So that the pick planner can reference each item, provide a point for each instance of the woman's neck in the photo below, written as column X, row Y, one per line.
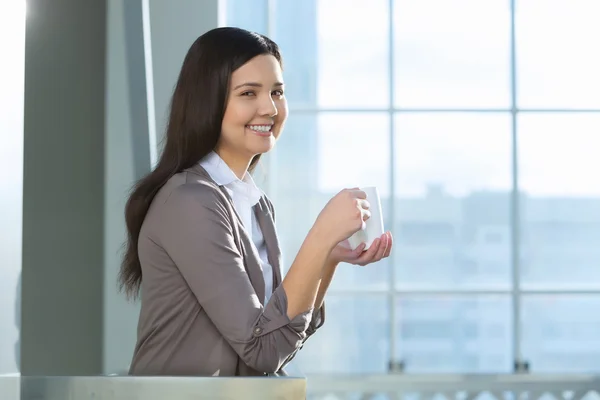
column 239, row 165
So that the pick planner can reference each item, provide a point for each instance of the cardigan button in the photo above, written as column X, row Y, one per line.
column 258, row 330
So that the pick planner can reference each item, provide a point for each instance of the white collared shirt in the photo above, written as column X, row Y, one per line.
column 245, row 195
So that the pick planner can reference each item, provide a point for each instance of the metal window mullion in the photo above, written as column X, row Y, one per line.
column 150, row 102
column 463, row 293
column 515, row 205
column 398, row 110
column 557, row 110
column 271, row 177
column 306, row 110
column 392, row 205
column 270, row 17
column 421, row 292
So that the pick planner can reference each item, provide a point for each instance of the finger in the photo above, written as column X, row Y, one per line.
column 359, row 194
column 364, row 204
column 366, row 214
column 349, row 255
column 388, row 250
column 382, row 248
column 368, row 255
column 358, row 251
column 345, row 244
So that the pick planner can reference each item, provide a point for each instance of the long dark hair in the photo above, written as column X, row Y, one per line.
column 194, row 127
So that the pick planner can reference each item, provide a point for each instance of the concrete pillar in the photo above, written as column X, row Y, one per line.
column 63, row 188
column 98, row 81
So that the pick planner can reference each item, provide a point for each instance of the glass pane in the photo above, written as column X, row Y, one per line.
column 250, row 15
column 452, row 54
column 316, row 157
column 12, row 77
column 560, row 206
column 295, row 31
column 335, row 51
column 560, row 333
column 438, row 334
column 452, row 202
column 557, row 65
column 355, row 338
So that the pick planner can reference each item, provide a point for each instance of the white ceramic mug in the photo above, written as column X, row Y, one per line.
column 374, row 225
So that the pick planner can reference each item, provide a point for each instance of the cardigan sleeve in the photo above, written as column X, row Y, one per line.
column 318, row 315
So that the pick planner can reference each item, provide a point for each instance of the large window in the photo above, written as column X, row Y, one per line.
column 479, row 121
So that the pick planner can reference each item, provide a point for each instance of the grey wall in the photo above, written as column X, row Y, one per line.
column 120, row 316
column 63, row 188
column 174, row 29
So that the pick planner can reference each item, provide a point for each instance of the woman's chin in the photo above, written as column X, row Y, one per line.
column 264, row 147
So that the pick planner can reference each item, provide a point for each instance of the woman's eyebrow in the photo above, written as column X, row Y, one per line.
column 256, row 84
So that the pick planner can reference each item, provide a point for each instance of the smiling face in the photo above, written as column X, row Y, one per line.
column 256, row 109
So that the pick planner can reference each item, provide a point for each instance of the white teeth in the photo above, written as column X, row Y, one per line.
column 260, row 128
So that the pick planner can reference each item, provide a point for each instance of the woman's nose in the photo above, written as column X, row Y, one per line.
column 268, row 107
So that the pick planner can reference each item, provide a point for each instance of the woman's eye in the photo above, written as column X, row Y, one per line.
column 277, row 92
column 250, row 93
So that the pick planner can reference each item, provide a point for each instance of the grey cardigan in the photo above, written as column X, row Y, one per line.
column 202, row 288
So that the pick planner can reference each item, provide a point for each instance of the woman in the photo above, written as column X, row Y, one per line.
column 202, row 236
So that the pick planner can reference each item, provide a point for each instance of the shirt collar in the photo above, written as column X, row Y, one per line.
column 220, row 172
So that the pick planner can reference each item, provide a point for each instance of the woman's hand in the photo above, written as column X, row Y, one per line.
column 380, row 249
column 344, row 215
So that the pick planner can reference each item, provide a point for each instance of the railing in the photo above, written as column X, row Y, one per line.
column 150, row 388
column 454, row 387
column 381, row 387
